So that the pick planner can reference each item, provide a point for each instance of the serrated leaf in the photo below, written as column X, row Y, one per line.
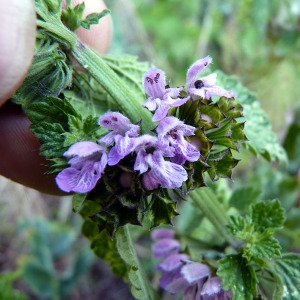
column 238, row 276
column 241, row 198
column 288, row 269
column 263, row 245
column 221, row 164
column 161, row 210
column 51, row 138
column 93, row 18
column 267, row 215
column 236, row 224
column 265, row 143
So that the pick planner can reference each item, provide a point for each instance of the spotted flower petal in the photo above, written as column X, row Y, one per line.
column 160, row 98
column 204, row 87
column 122, row 134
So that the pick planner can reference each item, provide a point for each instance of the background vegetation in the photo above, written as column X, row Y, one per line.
column 256, row 40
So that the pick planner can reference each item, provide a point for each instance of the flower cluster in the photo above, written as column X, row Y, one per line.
column 159, row 158
column 180, row 274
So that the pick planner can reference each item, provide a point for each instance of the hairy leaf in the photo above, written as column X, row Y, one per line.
column 288, row 269
column 241, row 198
column 262, row 140
column 263, row 245
column 238, row 276
column 267, row 215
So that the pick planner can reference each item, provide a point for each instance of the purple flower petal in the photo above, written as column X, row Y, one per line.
column 212, row 289
column 204, row 87
column 171, row 131
column 154, row 83
column 123, row 146
column 149, row 183
column 165, row 247
column 162, row 233
column 168, row 174
column 80, row 181
column 172, row 262
column 195, row 271
column 161, row 112
column 195, row 69
column 160, row 99
column 117, row 122
column 83, row 149
column 173, row 282
column 88, row 161
column 190, row 293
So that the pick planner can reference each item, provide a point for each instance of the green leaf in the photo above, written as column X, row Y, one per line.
column 241, row 198
column 50, row 73
column 239, row 276
column 267, row 215
column 140, row 285
column 265, row 143
column 236, row 224
column 86, row 129
column 77, row 201
column 51, row 138
column 288, row 269
column 221, row 164
column 262, row 245
column 106, row 248
column 93, row 18
column 162, row 210
column 73, row 17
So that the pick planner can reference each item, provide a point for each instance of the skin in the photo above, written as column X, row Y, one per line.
column 19, row 148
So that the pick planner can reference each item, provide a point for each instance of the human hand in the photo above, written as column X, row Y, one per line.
column 19, row 148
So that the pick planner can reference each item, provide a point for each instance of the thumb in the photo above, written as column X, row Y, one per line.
column 17, row 36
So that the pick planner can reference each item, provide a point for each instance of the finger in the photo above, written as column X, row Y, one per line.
column 19, row 152
column 17, row 36
column 98, row 36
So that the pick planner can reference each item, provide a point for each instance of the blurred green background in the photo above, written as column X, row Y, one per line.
column 256, row 40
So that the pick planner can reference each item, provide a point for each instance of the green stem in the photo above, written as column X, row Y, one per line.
column 102, row 73
column 94, row 65
column 207, row 202
column 140, row 285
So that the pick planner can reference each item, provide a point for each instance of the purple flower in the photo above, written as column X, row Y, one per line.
column 160, row 98
column 180, row 274
column 171, row 131
column 165, row 247
column 172, row 279
column 121, row 134
column 87, row 163
column 162, row 233
column 172, row 262
column 194, row 271
column 150, row 157
column 212, row 289
column 206, row 86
